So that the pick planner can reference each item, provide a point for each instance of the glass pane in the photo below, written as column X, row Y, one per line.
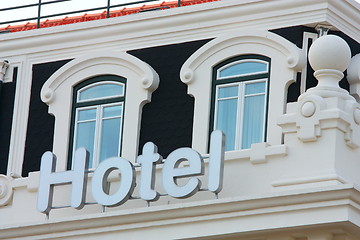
column 110, row 138
column 226, row 121
column 225, row 92
column 243, row 69
column 101, row 91
column 85, row 138
column 112, row 111
column 87, row 114
column 252, row 88
column 253, row 120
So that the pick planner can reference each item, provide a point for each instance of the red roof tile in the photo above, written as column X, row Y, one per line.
column 90, row 17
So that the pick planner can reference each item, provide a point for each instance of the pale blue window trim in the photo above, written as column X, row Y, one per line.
column 100, row 90
column 226, row 109
column 254, row 113
column 243, row 68
column 85, row 126
column 110, row 129
column 98, row 129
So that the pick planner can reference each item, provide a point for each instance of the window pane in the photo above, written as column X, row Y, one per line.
column 225, row 92
column 101, row 91
column 226, row 121
column 87, row 114
column 253, row 88
column 85, row 138
column 113, row 111
column 243, row 68
column 110, row 137
column 253, row 120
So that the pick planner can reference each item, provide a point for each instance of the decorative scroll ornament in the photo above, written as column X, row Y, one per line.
column 6, row 190
column 3, row 67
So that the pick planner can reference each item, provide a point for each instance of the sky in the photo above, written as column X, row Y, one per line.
column 60, row 7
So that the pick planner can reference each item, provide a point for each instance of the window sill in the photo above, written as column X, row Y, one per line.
column 258, row 153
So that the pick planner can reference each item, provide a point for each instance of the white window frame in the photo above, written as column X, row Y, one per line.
column 240, row 108
column 98, row 129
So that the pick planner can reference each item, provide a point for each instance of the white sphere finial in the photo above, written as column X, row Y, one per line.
column 329, row 56
column 329, row 52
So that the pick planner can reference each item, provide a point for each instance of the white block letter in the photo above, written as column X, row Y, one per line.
column 148, row 161
column 171, row 172
column 216, row 161
column 49, row 178
column 99, row 182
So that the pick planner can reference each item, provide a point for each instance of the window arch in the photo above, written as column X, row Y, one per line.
column 239, row 100
column 227, row 52
column 97, row 118
column 84, row 73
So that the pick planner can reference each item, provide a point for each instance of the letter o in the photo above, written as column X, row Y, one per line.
column 99, row 182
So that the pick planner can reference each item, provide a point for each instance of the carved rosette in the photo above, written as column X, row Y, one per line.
column 314, row 114
column 6, row 190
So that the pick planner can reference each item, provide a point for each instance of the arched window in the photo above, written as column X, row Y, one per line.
column 97, row 117
column 98, row 79
column 239, row 100
column 241, row 60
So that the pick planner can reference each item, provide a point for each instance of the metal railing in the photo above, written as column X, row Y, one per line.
column 39, row 17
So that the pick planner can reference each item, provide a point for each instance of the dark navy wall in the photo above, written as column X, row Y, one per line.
column 40, row 130
column 7, row 96
column 295, row 35
column 167, row 120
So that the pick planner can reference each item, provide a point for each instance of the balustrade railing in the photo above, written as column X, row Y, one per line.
column 39, row 5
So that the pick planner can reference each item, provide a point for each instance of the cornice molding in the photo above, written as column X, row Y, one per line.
column 177, row 25
column 342, row 199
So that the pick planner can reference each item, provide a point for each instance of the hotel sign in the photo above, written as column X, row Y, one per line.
column 171, row 172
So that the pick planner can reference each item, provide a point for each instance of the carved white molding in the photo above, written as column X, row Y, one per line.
column 142, row 80
column 83, row 66
column 325, row 106
column 196, row 72
column 326, row 113
column 20, row 116
column 4, row 64
column 6, row 190
column 258, row 153
column 322, row 128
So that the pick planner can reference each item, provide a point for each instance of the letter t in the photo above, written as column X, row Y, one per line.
column 148, row 161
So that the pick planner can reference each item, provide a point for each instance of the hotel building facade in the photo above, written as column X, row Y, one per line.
column 142, row 93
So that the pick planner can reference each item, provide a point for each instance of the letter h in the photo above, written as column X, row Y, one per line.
column 49, row 178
